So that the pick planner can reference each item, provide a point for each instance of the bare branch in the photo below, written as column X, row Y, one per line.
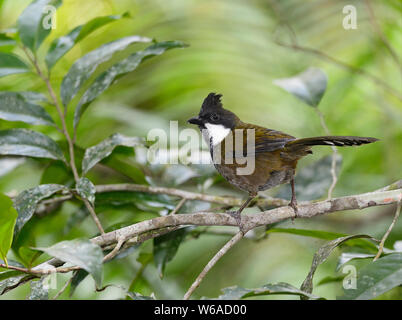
column 91, row 210
column 212, row 262
column 179, row 205
column 148, row 229
column 58, row 294
column 229, row 201
column 251, row 221
column 39, row 272
column 384, row 238
column 115, row 250
column 334, row 154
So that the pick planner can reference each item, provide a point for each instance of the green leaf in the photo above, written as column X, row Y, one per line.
column 377, row 278
column 14, row 107
column 100, row 151
column 82, row 253
column 331, row 279
column 11, row 64
column 126, row 166
column 126, row 197
column 57, row 172
column 165, row 248
column 76, row 218
column 309, row 86
column 322, row 254
column 11, row 281
column 349, row 256
column 32, row 96
column 25, row 203
column 8, row 217
column 8, row 274
column 144, row 258
column 31, row 23
column 28, row 256
column 24, row 142
column 10, row 263
column 86, row 190
column 6, row 43
column 84, row 67
column 107, row 78
column 312, row 181
column 138, row 296
column 62, row 45
column 236, row 293
column 149, row 203
column 78, row 277
column 326, row 235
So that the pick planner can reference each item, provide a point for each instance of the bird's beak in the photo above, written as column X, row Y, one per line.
column 196, row 121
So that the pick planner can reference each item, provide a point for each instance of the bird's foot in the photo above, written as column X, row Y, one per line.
column 293, row 205
column 237, row 216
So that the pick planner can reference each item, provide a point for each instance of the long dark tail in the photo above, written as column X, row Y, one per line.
column 339, row 141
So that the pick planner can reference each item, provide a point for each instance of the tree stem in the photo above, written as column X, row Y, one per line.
column 238, row 236
column 70, row 143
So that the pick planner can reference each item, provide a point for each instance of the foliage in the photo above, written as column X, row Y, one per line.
column 235, row 293
column 76, row 103
column 8, row 216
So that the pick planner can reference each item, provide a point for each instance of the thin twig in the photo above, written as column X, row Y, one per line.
column 212, row 262
column 39, row 272
column 344, row 65
column 115, row 251
column 56, row 199
column 179, row 205
column 58, row 294
column 24, row 270
column 384, row 238
column 382, row 36
column 91, row 210
column 295, row 46
column 334, row 154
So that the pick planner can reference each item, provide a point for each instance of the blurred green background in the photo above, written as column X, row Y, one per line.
column 233, row 50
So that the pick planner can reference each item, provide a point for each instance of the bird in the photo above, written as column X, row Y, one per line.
column 274, row 154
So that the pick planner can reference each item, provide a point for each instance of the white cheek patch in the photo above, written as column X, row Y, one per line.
column 217, row 132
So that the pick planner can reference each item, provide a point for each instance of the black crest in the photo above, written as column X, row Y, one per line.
column 211, row 102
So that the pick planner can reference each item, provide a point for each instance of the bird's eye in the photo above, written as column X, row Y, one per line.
column 214, row 117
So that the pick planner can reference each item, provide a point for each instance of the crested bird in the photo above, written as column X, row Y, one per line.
column 233, row 143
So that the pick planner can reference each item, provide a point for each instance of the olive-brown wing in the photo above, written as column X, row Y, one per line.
column 258, row 140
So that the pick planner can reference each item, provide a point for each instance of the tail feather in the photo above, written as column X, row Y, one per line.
column 339, row 141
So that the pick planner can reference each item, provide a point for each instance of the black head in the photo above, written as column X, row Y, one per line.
column 213, row 112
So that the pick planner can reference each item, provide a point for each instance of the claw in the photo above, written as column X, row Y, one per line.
column 293, row 205
column 293, row 202
column 237, row 216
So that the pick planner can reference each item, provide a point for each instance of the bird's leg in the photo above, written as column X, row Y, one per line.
column 293, row 201
column 237, row 214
